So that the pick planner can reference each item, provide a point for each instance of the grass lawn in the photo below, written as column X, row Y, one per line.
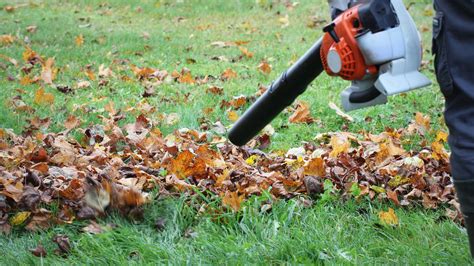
column 172, row 35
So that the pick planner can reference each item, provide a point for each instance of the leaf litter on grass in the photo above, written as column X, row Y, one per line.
column 110, row 166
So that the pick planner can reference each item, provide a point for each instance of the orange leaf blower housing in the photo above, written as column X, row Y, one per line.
column 340, row 54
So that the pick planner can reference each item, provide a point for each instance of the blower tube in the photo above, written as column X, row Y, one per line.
column 279, row 95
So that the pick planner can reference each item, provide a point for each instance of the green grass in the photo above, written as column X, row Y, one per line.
column 178, row 30
column 336, row 233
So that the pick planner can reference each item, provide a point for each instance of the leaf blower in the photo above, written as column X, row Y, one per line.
column 373, row 43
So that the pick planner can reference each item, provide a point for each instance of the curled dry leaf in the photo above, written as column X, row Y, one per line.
column 301, row 114
column 340, row 113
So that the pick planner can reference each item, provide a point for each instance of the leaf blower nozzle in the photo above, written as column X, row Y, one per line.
column 278, row 96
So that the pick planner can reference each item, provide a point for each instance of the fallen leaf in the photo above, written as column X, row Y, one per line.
column 315, row 167
column 19, row 218
column 47, row 74
column 64, row 246
column 6, row 39
column 340, row 113
column 228, row 74
column 43, row 98
column 39, row 251
column 79, row 40
column 388, row 218
column 232, row 200
column 265, row 68
column 301, row 114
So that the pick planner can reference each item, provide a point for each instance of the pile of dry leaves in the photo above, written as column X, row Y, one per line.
column 114, row 167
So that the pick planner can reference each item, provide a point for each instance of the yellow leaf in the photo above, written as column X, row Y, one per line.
column 6, row 39
column 42, row 97
column 442, row 137
column 252, row 160
column 79, row 40
column 340, row 144
column 19, row 218
column 388, row 218
column 233, row 116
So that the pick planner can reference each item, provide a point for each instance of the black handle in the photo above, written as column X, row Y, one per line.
column 280, row 95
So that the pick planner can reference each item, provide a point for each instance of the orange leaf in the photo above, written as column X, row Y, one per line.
column 79, row 40
column 265, row 68
column 229, row 74
column 186, row 78
column 301, row 114
column 6, row 39
column 187, row 164
column 232, row 200
column 246, row 52
column 42, row 97
column 47, row 74
column 315, row 167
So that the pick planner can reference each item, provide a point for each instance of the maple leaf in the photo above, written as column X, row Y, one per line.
column 388, row 218
column 315, row 167
column 187, row 164
column 301, row 114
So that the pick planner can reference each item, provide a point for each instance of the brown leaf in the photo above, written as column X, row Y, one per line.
column 39, row 251
column 74, row 191
column 215, row 90
column 301, row 114
column 265, row 68
column 64, row 246
column 93, row 228
column 393, row 196
column 71, row 122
